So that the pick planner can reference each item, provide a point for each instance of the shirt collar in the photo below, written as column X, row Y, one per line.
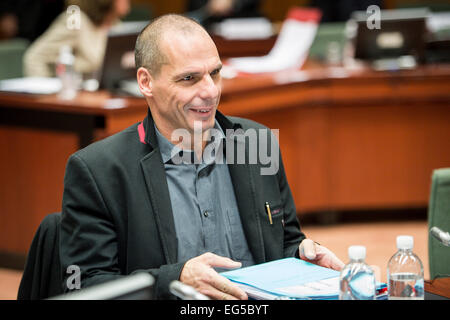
column 168, row 149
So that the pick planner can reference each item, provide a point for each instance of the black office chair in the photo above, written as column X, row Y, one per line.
column 42, row 275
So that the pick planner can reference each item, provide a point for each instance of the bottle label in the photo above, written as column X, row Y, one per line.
column 60, row 69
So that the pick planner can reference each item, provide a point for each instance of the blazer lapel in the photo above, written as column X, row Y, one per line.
column 245, row 191
column 158, row 191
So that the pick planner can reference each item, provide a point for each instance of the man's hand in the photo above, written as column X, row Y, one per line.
column 317, row 254
column 198, row 272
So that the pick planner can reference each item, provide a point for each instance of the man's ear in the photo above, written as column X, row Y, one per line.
column 144, row 80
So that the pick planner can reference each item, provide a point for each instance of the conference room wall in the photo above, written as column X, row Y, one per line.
column 275, row 10
column 272, row 9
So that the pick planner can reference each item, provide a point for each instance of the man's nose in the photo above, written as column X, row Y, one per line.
column 209, row 88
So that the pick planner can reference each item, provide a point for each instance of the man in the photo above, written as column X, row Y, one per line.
column 129, row 205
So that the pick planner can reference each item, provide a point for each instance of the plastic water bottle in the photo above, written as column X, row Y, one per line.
column 405, row 272
column 66, row 73
column 357, row 279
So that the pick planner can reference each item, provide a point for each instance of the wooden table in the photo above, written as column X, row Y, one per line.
column 37, row 135
column 438, row 286
column 353, row 139
column 350, row 139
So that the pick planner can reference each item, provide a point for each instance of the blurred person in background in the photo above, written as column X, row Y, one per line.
column 341, row 10
column 27, row 19
column 87, row 38
column 208, row 12
column 8, row 26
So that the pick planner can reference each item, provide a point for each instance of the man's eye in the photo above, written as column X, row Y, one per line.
column 187, row 78
column 215, row 72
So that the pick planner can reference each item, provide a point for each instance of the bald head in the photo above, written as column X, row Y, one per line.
column 149, row 50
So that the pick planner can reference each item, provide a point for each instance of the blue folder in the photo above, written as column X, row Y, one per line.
column 288, row 278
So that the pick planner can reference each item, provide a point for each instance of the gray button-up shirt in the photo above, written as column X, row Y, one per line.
column 203, row 202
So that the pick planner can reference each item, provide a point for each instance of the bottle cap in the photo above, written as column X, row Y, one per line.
column 405, row 242
column 357, row 252
column 65, row 55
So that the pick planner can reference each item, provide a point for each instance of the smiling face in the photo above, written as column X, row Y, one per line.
column 187, row 88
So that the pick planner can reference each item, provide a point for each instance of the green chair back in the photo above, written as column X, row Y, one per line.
column 327, row 33
column 439, row 216
column 11, row 58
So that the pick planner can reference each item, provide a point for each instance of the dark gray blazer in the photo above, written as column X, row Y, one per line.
column 117, row 217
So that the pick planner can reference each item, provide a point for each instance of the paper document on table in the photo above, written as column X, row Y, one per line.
column 291, row 47
column 35, row 85
column 127, row 27
column 290, row 277
column 244, row 28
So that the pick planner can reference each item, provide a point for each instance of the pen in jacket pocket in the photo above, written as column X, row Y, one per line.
column 268, row 212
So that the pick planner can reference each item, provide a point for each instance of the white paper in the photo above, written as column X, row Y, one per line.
column 127, row 27
column 131, row 87
column 290, row 50
column 439, row 21
column 244, row 28
column 327, row 287
column 34, row 85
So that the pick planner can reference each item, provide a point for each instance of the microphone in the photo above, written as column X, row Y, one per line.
column 185, row 292
column 441, row 236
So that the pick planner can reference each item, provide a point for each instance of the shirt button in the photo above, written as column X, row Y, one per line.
column 206, row 214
